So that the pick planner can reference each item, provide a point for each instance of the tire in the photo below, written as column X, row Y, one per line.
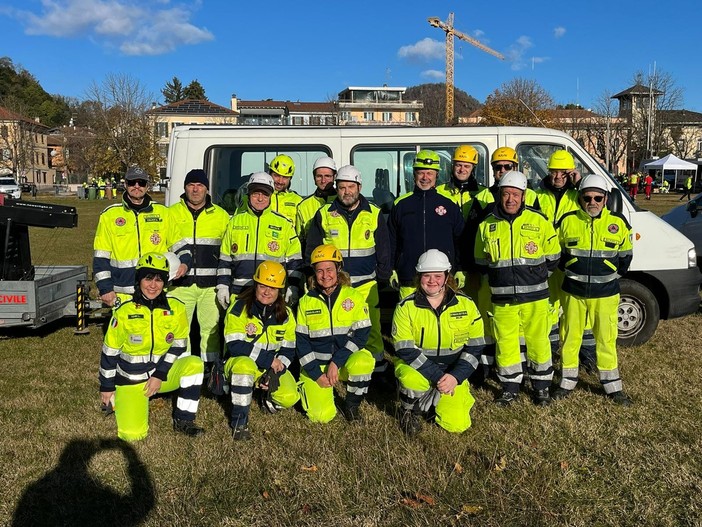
column 638, row 313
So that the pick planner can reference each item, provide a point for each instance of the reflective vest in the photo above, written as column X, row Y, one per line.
column 356, row 241
column 141, row 342
column 258, row 335
column 634, row 179
column 519, row 255
column 285, row 203
column 553, row 208
column 123, row 235
column 688, row 183
column 449, row 339
column 596, row 252
column 462, row 198
column 196, row 239
column 306, row 210
column 250, row 239
column 330, row 328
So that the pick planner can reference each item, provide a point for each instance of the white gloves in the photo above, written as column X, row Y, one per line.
column 292, row 295
column 223, row 295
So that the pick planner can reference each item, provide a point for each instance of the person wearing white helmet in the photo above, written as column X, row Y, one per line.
column 253, row 235
column 437, row 316
column 323, row 173
column 356, row 227
column 517, row 248
column 597, row 251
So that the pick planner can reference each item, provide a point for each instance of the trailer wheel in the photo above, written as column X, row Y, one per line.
column 638, row 313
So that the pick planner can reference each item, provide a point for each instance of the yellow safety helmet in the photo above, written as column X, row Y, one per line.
column 283, row 165
column 154, row 261
column 271, row 274
column 326, row 253
column 465, row 154
column 561, row 160
column 504, row 153
column 427, row 159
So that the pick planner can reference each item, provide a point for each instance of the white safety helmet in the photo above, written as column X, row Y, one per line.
column 433, row 261
column 513, row 178
column 173, row 264
column 261, row 178
column 349, row 173
column 594, row 181
column 324, row 162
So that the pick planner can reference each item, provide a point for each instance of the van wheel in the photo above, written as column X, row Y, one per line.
column 638, row 313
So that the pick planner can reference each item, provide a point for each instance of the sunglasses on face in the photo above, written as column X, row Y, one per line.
column 137, row 182
column 508, row 166
column 597, row 199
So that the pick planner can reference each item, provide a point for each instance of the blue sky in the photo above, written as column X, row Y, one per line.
column 310, row 51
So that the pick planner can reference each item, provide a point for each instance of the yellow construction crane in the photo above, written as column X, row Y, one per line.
column 450, row 32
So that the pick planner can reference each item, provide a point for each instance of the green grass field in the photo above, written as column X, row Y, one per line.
column 582, row 461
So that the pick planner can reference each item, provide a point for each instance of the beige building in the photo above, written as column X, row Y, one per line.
column 24, row 148
column 292, row 113
column 189, row 111
column 385, row 105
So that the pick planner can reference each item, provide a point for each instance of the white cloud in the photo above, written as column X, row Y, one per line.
column 559, row 31
column 477, row 33
column 135, row 28
column 434, row 75
column 424, row 50
column 515, row 52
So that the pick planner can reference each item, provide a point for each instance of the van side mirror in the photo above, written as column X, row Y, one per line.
column 692, row 208
column 614, row 201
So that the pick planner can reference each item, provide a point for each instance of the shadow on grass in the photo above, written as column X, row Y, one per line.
column 70, row 495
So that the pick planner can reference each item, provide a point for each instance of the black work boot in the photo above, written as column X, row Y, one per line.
column 351, row 407
column 410, row 422
column 561, row 393
column 620, row 398
column 506, row 398
column 541, row 397
column 187, row 427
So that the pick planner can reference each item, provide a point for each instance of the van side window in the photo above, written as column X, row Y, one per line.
column 387, row 170
column 230, row 167
column 533, row 161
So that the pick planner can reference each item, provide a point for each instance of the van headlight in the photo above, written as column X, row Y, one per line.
column 691, row 258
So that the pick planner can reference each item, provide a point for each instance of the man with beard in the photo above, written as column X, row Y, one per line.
column 357, row 229
column 596, row 252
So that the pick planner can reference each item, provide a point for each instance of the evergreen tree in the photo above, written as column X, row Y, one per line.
column 194, row 90
column 173, row 91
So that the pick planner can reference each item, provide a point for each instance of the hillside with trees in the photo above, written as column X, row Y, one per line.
column 433, row 95
column 21, row 93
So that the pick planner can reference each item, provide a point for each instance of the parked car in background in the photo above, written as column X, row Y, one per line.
column 9, row 186
column 687, row 218
column 29, row 188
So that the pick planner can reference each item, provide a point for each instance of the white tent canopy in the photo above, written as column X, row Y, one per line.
column 671, row 162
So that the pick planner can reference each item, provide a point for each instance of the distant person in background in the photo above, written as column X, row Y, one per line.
column 648, row 185
column 688, row 189
column 665, row 186
column 633, row 185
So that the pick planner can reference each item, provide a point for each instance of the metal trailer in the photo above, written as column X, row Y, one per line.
column 49, row 296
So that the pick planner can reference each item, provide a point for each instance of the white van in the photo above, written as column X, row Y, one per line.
column 663, row 281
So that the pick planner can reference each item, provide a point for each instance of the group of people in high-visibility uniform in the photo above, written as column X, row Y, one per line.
column 295, row 283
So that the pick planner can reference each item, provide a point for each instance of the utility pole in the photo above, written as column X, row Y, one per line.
column 450, row 33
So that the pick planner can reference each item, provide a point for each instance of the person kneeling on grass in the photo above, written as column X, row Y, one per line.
column 333, row 327
column 438, row 337
column 259, row 331
column 144, row 353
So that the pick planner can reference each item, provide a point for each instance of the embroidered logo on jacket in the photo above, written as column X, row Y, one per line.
column 273, row 246
column 531, row 247
column 613, row 228
column 120, row 222
column 155, row 238
column 251, row 329
column 170, row 338
column 347, row 304
column 440, row 210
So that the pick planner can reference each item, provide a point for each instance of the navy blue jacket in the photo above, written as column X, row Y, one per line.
column 419, row 221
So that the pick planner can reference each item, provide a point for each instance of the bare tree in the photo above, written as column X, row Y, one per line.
column 607, row 133
column 519, row 102
column 117, row 115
